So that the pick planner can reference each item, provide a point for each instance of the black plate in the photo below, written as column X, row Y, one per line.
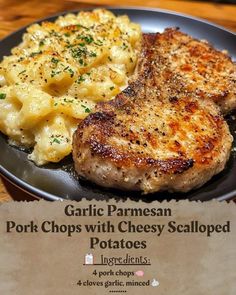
column 56, row 181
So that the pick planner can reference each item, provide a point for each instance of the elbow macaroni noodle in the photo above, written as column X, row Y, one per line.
column 55, row 77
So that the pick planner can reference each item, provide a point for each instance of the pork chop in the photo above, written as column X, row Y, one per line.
column 155, row 135
column 197, row 67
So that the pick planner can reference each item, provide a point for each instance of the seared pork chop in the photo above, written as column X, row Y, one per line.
column 153, row 136
column 196, row 67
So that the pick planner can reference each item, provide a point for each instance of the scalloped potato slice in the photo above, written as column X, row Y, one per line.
column 75, row 108
column 9, row 119
column 36, row 105
column 53, row 139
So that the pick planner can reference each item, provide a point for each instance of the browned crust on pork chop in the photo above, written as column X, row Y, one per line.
column 150, row 138
column 196, row 67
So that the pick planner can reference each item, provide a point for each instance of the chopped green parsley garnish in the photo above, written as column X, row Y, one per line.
column 124, row 46
column 112, row 87
column 56, row 140
column 88, row 39
column 22, row 72
column 68, row 69
column 54, row 73
column 86, row 109
column 71, row 72
column 98, row 42
column 81, row 26
column 55, row 60
column 78, row 52
column 68, row 100
column 35, row 53
column 80, row 79
column 81, row 61
column 93, row 54
column 2, row 95
column 53, row 33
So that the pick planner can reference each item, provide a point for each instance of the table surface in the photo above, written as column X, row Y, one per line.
column 15, row 14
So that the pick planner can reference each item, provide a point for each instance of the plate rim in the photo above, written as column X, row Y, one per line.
column 38, row 193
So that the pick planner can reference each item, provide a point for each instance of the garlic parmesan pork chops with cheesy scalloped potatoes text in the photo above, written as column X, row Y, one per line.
column 165, row 131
